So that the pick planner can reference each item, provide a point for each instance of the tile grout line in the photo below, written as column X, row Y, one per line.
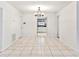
column 49, row 49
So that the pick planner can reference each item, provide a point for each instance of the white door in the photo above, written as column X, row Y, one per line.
column 29, row 25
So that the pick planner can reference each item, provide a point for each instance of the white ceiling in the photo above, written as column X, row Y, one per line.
column 31, row 6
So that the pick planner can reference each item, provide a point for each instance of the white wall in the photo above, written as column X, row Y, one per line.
column 29, row 29
column 67, row 25
column 52, row 25
column 78, row 24
column 11, row 23
column 0, row 28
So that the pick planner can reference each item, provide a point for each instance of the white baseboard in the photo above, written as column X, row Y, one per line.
column 76, row 49
column 9, row 45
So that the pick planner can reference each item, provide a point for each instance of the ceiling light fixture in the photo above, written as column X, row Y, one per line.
column 39, row 12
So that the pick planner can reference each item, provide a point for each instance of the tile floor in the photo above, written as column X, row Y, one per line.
column 41, row 46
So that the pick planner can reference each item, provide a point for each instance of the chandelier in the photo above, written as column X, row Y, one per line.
column 39, row 13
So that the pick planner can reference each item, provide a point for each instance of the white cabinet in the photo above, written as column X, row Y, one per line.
column 41, row 25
